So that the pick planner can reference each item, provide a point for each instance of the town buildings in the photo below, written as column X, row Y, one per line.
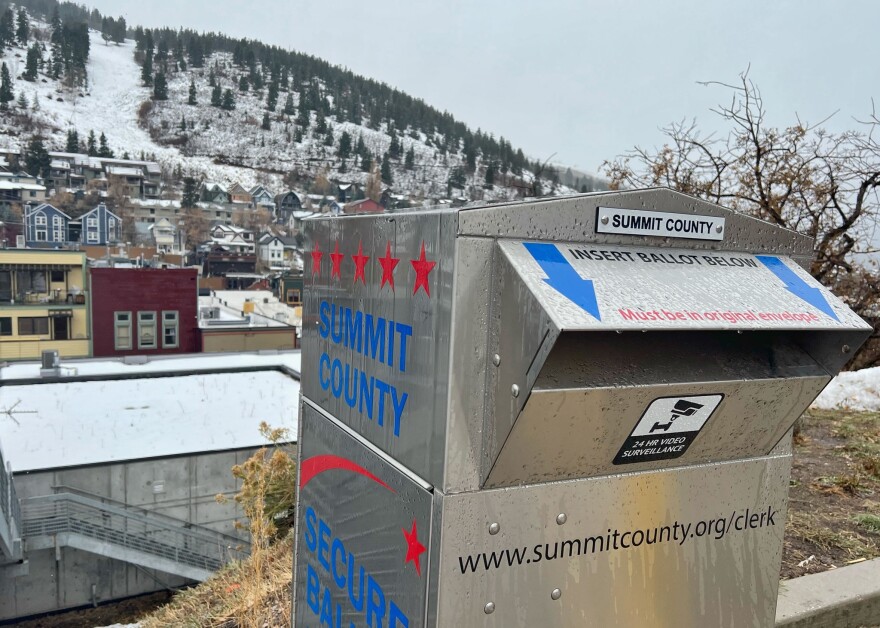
column 44, row 304
column 150, row 311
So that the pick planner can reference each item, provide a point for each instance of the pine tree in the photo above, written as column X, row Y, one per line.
column 386, row 169
column 160, row 87
column 490, row 174
column 21, row 102
column 344, row 145
column 183, row 123
column 192, row 93
column 394, row 149
column 190, row 193
column 228, row 103
column 33, row 62
column 72, row 145
column 92, row 148
column 289, row 109
column 147, row 68
column 410, row 161
column 36, row 158
column 328, row 139
column 212, row 78
column 266, row 122
column 243, row 84
column 23, row 31
column 320, row 123
column 7, row 28
column 366, row 161
column 216, row 96
column 272, row 97
column 361, row 147
column 6, row 94
column 104, row 150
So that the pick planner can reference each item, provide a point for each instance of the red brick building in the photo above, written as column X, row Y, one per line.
column 141, row 311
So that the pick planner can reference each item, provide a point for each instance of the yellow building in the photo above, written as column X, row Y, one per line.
column 43, row 304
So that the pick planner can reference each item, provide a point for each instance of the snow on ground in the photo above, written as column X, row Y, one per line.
column 853, row 390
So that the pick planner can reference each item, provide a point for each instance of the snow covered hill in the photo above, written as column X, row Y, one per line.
column 227, row 146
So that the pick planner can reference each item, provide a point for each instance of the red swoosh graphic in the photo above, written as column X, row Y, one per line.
column 316, row 465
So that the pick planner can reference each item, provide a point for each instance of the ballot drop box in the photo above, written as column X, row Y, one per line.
column 554, row 413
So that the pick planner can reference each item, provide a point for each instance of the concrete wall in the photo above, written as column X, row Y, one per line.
column 64, row 579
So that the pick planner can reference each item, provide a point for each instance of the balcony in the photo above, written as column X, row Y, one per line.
column 52, row 297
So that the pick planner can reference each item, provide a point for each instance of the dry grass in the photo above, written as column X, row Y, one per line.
column 254, row 593
column 250, row 594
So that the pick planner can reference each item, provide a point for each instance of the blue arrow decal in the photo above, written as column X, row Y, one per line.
column 563, row 278
column 797, row 286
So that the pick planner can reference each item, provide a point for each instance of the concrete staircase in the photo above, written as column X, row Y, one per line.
column 126, row 533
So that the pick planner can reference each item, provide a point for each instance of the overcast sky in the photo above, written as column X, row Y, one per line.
column 582, row 80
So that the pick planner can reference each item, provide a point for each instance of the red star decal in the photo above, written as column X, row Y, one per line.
column 388, row 265
column 317, row 254
column 414, row 548
column 422, row 268
column 337, row 258
column 360, row 262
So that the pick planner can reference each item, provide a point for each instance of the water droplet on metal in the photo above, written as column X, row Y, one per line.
column 845, row 348
column 561, row 518
column 494, row 528
column 489, row 608
column 514, row 390
column 496, row 359
column 555, row 594
column 719, row 228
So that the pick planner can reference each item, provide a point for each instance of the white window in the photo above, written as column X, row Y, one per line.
column 122, row 330
column 57, row 229
column 92, row 221
column 146, row 330
column 40, row 227
column 92, row 236
column 170, row 328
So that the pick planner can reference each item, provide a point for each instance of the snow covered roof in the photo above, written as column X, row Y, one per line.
column 125, row 172
column 59, row 165
column 266, row 306
column 111, row 410
column 12, row 185
column 144, row 202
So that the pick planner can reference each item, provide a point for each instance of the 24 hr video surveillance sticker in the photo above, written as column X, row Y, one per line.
column 667, row 428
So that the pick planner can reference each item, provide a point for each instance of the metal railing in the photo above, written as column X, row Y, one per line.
column 43, row 297
column 10, row 508
column 130, row 528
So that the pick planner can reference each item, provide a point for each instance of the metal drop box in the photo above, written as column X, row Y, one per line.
column 561, row 412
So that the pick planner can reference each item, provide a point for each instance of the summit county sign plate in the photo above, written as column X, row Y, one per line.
column 663, row 224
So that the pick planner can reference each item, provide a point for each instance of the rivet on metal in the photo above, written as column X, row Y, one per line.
column 514, row 390
column 555, row 594
column 494, row 528
column 604, row 220
column 489, row 608
column 496, row 359
column 561, row 518
column 846, row 348
column 719, row 228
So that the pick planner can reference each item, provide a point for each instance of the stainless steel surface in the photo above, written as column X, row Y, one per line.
column 469, row 363
column 691, row 577
column 594, row 389
column 534, row 381
column 363, row 530
column 393, row 342
column 573, row 219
